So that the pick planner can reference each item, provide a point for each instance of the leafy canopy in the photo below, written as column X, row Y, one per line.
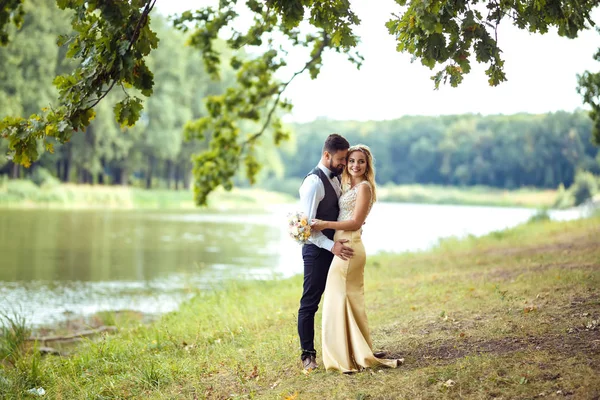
column 112, row 39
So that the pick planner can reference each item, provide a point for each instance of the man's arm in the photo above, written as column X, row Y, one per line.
column 311, row 193
column 359, row 214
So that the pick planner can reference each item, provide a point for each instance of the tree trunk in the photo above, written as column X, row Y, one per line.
column 149, row 172
column 101, row 173
column 58, row 168
column 67, row 164
column 123, row 176
column 16, row 171
column 170, row 173
column 177, row 176
column 90, row 139
column 116, row 176
column 83, row 176
column 187, row 175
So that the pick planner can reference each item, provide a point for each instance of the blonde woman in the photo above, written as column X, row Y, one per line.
column 346, row 341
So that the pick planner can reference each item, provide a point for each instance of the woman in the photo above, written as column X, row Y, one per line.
column 346, row 340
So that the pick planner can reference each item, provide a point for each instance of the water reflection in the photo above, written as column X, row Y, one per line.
column 107, row 246
column 57, row 262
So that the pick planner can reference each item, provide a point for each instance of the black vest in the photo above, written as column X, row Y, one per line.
column 328, row 209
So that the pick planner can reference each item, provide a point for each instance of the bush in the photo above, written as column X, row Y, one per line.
column 540, row 216
column 22, row 189
column 16, row 191
column 43, row 178
column 564, row 198
column 584, row 187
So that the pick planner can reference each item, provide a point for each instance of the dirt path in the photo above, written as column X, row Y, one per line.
column 584, row 344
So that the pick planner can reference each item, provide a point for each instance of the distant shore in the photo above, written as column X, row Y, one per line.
column 25, row 194
column 476, row 195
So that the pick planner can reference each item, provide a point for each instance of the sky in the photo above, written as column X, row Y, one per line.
column 541, row 71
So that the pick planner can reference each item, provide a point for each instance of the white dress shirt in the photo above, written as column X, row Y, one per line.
column 312, row 192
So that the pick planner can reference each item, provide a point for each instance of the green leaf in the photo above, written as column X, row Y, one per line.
column 127, row 112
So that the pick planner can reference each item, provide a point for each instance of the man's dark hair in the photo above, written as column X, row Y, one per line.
column 334, row 143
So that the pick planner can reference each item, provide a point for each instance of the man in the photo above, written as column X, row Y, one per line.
column 319, row 194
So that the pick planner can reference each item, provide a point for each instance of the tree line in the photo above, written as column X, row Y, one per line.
column 505, row 151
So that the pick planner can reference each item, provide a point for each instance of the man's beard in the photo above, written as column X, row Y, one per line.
column 336, row 171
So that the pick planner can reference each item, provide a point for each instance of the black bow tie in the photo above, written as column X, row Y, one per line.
column 333, row 175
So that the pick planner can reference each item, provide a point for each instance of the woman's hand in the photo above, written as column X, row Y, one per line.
column 318, row 225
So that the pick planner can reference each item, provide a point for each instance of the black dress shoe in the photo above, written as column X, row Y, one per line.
column 379, row 354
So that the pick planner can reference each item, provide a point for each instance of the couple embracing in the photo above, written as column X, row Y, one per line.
column 334, row 258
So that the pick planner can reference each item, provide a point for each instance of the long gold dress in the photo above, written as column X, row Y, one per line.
column 346, row 340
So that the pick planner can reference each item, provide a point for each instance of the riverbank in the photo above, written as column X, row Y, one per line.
column 477, row 195
column 26, row 194
column 513, row 314
column 453, row 195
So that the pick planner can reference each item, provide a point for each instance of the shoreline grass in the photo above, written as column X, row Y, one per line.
column 26, row 194
column 514, row 314
column 476, row 195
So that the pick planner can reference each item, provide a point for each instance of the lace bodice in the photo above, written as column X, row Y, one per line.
column 348, row 202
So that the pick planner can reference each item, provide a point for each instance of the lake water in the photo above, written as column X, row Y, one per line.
column 56, row 263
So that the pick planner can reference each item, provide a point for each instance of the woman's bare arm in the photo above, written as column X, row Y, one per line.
column 361, row 209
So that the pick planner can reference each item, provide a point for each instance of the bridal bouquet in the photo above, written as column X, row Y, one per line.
column 298, row 227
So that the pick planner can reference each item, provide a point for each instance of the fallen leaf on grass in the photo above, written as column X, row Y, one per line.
column 529, row 309
column 449, row 383
column 188, row 347
column 592, row 326
column 254, row 374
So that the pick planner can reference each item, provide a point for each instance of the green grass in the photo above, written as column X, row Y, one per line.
column 477, row 195
column 13, row 334
column 26, row 194
column 511, row 315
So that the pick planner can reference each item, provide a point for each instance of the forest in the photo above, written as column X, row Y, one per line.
column 502, row 151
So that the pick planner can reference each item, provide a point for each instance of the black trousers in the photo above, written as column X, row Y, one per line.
column 316, row 267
